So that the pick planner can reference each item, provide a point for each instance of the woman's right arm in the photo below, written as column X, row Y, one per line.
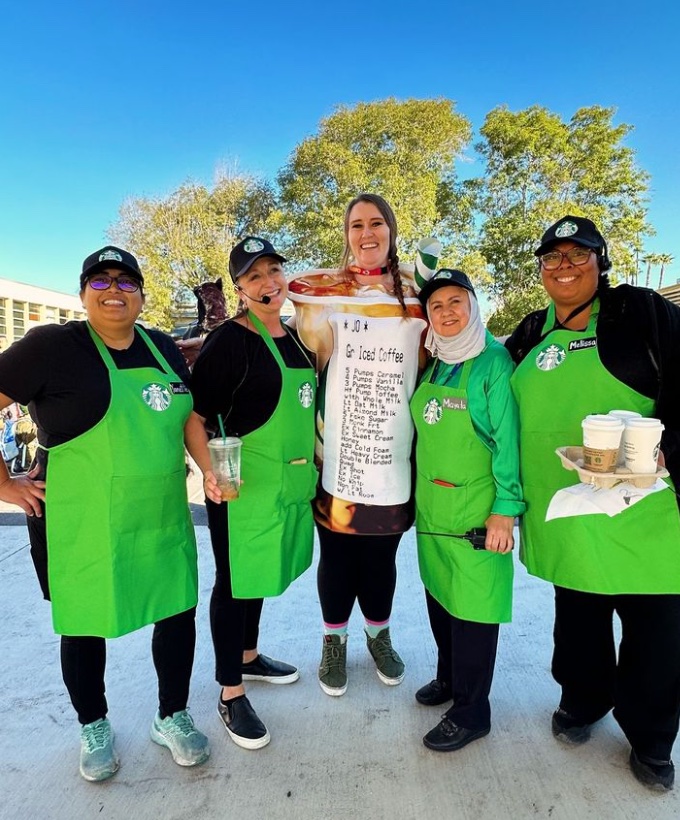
column 196, row 442
column 23, row 491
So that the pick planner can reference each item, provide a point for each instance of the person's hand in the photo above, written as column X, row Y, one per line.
column 661, row 460
column 25, row 492
column 211, row 488
column 499, row 536
column 190, row 348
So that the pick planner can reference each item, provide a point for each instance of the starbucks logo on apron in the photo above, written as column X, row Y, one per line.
column 156, row 396
column 551, row 357
column 432, row 413
column 306, row 394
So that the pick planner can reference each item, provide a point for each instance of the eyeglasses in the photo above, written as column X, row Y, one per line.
column 102, row 281
column 577, row 256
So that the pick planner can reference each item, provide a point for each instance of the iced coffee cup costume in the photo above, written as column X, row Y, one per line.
column 115, row 548
column 595, row 349
column 364, row 325
column 467, row 478
column 254, row 376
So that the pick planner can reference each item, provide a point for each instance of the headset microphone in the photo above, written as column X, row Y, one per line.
column 265, row 300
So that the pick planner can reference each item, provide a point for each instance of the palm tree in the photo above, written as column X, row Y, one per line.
column 650, row 259
column 663, row 259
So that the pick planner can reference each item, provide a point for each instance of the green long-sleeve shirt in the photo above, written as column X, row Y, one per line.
column 494, row 417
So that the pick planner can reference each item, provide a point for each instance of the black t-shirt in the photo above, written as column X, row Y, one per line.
column 58, row 372
column 237, row 377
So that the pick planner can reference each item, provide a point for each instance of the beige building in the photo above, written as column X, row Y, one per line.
column 672, row 292
column 24, row 306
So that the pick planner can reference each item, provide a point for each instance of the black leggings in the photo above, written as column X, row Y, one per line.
column 356, row 568
column 83, row 663
column 234, row 622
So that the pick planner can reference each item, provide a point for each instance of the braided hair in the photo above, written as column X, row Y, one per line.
column 392, row 255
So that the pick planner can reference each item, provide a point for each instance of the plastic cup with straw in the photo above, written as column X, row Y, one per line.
column 225, row 460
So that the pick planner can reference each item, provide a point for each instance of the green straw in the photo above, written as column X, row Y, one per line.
column 219, row 421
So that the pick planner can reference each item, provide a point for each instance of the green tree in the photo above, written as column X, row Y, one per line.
column 403, row 150
column 539, row 168
column 184, row 239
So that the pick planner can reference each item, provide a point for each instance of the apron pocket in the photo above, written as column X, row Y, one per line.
column 441, row 509
column 298, row 483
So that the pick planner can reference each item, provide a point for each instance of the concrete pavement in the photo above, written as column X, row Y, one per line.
column 357, row 757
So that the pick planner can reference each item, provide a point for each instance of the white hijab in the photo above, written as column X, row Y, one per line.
column 465, row 345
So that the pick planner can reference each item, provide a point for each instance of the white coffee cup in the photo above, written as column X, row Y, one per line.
column 624, row 415
column 641, row 440
column 601, row 440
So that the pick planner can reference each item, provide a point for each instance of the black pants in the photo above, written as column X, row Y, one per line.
column 466, row 660
column 356, row 568
column 83, row 663
column 643, row 687
column 83, row 658
column 234, row 622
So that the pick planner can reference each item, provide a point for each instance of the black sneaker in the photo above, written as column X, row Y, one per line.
column 655, row 774
column 570, row 730
column 269, row 670
column 449, row 737
column 244, row 726
column 434, row 693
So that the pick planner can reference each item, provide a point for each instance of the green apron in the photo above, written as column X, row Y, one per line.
column 475, row 585
column 560, row 382
column 121, row 544
column 271, row 527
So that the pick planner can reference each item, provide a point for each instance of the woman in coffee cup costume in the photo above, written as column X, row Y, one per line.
column 467, row 483
column 111, row 535
column 364, row 324
column 597, row 348
column 254, row 376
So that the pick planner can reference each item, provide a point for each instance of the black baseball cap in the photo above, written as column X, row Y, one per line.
column 110, row 257
column 248, row 251
column 575, row 228
column 442, row 279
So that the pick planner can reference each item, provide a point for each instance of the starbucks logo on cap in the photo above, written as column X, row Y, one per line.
column 253, row 246
column 103, row 257
column 306, row 394
column 550, row 357
column 566, row 229
column 156, row 396
column 432, row 413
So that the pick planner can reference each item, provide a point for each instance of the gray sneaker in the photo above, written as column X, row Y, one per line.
column 333, row 666
column 389, row 665
column 98, row 758
column 177, row 732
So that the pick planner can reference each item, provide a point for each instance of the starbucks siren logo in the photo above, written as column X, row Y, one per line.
column 253, row 246
column 113, row 255
column 432, row 413
column 156, row 396
column 306, row 394
column 551, row 357
column 566, row 229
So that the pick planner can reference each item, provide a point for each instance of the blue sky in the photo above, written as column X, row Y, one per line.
column 103, row 100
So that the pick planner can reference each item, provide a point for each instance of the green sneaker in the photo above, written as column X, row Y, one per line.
column 389, row 665
column 188, row 746
column 98, row 758
column 333, row 666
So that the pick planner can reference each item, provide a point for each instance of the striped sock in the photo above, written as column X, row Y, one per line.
column 336, row 629
column 373, row 628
